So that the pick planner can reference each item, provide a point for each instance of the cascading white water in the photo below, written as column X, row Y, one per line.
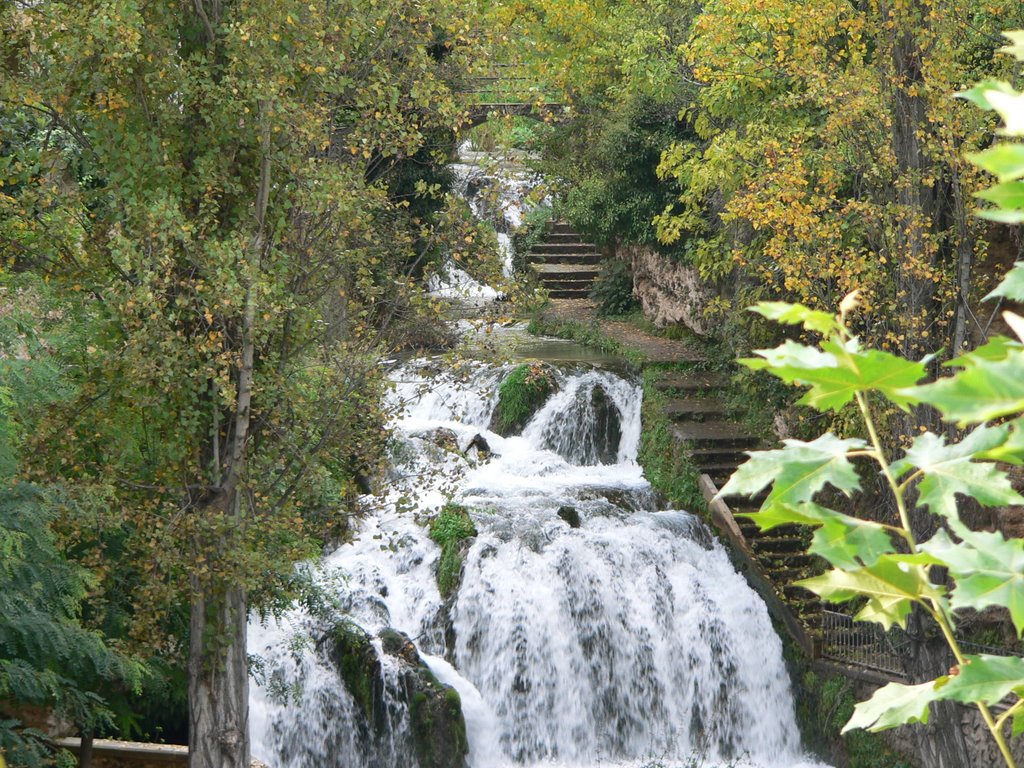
column 628, row 639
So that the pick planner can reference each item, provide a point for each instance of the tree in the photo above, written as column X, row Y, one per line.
column 894, row 569
column 210, row 183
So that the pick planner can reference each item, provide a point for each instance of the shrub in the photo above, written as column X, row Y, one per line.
column 613, row 289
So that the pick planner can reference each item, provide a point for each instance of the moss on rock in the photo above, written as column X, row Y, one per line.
column 450, row 529
column 520, row 396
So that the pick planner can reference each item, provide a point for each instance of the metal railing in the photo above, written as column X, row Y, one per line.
column 860, row 643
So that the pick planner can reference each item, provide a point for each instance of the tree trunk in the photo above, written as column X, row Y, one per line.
column 85, row 750
column 218, row 672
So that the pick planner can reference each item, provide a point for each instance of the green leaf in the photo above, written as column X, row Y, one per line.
column 1004, row 160
column 797, row 471
column 988, row 569
column 1012, row 450
column 892, row 584
column 951, row 469
column 1012, row 285
column 776, row 514
column 892, row 705
column 1016, row 47
column 977, row 394
column 1009, row 194
column 1018, row 724
column 994, row 350
column 984, row 678
column 838, row 371
column 980, row 93
column 797, row 314
column 1002, row 217
column 849, row 543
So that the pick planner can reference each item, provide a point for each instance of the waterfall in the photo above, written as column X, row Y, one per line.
column 626, row 641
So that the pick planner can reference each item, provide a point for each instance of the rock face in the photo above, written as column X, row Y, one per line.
column 437, row 728
column 607, row 426
column 668, row 292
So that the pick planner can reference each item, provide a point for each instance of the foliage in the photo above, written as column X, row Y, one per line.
column 828, row 157
column 520, row 394
column 47, row 658
column 449, row 529
column 532, row 230
column 666, row 461
column 885, row 564
column 240, row 200
column 613, row 289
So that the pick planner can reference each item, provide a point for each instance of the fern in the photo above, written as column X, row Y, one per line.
column 47, row 658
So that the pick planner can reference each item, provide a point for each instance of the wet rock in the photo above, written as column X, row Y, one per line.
column 523, row 392
column 437, row 727
column 443, row 438
column 607, row 426
column 570, row 515
column 478, row 448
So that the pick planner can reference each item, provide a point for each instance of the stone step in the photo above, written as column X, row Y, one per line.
column 778, row 545
column 784, row 576
column 566, row 258
column 557, row 281
column 703, row 409
column 544, row 248
column 562, row 227
column 569, row 293
column 716, row 434
column 690, row 381
column 717, row 457
column 562, row 237
column 577, row 270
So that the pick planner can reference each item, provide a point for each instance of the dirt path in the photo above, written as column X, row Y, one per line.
column 654, row 349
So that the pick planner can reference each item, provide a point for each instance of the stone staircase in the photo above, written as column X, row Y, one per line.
column 564, row 263
column 717, row 443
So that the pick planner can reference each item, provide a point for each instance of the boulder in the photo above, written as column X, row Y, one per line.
column 607, row 426
column 522, row 393
column 436, row 724
column 570, row 515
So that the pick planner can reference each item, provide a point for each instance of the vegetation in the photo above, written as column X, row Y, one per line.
column 613, row 289
column 520, row 394
column 449, row 530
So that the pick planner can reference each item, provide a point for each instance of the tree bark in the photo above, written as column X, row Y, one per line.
column 218, row 671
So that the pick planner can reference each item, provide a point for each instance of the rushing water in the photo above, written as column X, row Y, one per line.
column 629, row 640
column 626, row 641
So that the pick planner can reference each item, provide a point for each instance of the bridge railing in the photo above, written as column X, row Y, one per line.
column 861, row 644
column 507, row 84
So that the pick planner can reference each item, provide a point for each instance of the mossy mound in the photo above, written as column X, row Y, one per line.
column 520, row 396
column 437, row 729
column 451, row 530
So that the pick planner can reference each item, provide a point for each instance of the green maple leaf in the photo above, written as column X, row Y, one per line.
column 1012, row 450
column 796, row 314
column 849, row 543
column 984, row 678
column 797, row 471
column 838, row 371
column 1012, row 285
column 980, row 93
column 988, row 569
column 950, row 469
column 892, row 584
column 1004, row 160
column 776, row 514
column 994, row 350
column 892, row 705
column 1016, row 46
column 978, row 393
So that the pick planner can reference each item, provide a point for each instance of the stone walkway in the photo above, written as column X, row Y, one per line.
column 653, row 349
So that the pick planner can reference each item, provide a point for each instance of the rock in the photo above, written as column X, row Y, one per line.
column 437, row 726
column 443, row 438
column 522, row 393
column 478, row 448
column 669, row 292
column 570, row 515
column 607, row 426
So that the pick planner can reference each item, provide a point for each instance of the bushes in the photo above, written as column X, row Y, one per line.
column 448, row 530
column 613, row 289
column 520, row 395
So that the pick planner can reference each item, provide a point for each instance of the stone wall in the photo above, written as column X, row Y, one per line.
column 669, row 292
